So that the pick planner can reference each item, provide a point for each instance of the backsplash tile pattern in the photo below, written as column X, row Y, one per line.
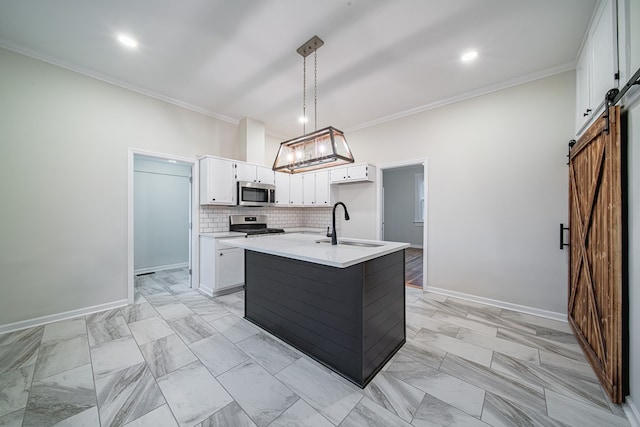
column 214, row 219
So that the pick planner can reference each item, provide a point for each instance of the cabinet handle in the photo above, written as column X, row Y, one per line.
column 213, row 200
column 587, row 113
column 220, row 254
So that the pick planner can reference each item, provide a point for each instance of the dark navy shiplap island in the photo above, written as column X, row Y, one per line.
column 342, row 305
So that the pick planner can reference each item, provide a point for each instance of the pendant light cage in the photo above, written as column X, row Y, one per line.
column 321, row 148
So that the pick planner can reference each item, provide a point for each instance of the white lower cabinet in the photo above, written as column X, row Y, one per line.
column 221, row 266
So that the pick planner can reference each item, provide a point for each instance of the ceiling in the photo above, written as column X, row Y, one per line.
column 237, row 58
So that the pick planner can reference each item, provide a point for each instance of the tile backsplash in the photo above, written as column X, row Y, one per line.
column 214, row 219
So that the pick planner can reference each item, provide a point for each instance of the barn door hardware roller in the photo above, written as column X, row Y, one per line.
column 562, row 230
column 614, row 96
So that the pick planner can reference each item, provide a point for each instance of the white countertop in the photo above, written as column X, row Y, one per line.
column 305, row 230
column 223, row 234
column 304, row 247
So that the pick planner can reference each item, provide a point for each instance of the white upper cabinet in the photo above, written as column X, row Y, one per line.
column 282, row 189
column 604, row 47
column 597, row 65
column 309, row 189
column 265, row 175
column 295, row 190
column 354, row 173
column 254, row 173
column 306, row 189
column 217, row 182
column 322, row 189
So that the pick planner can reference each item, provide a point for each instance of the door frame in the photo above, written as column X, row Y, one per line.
column 194, row 209
column 380, row 205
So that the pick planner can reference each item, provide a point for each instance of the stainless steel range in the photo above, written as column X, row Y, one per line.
column 253, row 225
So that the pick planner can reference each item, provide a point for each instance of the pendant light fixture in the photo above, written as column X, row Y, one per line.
column 321, row 148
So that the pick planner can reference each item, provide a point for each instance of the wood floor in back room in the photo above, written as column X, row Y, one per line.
column 413, row 267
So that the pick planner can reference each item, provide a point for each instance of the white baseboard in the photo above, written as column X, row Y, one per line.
column 160, row 268
column 205, row 290
column 631, row 411
column 211, row 293
column 561, row 317
column 24, row 324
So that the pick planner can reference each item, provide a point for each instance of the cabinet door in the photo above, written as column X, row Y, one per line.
column 322, row 188
column 309, row 189
column 583, row 87
column 603, row 46
column 357, row 173
column 207, row 259
column 295, row 190
column 245, row 172
column 282, row 188
column 217, row 186
column 229, row 268
column 338, row 175
column 265, row 175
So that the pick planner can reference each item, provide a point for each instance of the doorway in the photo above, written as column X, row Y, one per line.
column 161, row 217
column 402, row 213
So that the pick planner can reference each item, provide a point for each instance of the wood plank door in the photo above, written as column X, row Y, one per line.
column 595, row 268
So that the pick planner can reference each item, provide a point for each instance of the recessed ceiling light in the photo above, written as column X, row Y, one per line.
column 128, row 41
column 303, row 119
column 469, row 56
column 172, row 161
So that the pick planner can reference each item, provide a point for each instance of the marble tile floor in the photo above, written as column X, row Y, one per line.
column 178, row 358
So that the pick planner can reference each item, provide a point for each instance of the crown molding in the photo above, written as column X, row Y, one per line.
column 467, row 95
column 102, row 77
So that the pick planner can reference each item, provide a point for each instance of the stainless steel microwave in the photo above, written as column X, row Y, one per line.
column 256, row 194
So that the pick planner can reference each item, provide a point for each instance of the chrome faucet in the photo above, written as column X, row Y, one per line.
column 334, row 234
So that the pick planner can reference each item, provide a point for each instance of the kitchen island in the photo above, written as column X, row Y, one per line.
column 342, row 305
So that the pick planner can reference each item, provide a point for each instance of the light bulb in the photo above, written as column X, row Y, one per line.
column 128, row 41
column 469, row 56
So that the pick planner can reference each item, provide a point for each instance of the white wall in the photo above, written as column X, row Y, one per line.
column 633, row 180
column 497, row 189
column 64, row 141
column 629, row 33
column 161, row 214
column 400, row 205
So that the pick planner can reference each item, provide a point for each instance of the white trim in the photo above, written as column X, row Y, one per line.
column 568, row 66
column 631, row 411
column 195, row 215
column 211, row 293
column 205, row 290
column 107, row 79
column 24, row 324
column 467, row 95
column 379, row 205
column 561, row 317
column 160, row 268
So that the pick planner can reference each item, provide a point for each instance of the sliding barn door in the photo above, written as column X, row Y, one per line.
column 595, row 274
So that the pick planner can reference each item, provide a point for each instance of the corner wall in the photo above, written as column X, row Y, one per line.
column 497, row 189
column 63, row 167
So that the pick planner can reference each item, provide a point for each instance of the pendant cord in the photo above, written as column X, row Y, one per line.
column 315, row 89
column 304, row 95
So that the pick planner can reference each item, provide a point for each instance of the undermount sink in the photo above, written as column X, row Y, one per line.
column 349, row 243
